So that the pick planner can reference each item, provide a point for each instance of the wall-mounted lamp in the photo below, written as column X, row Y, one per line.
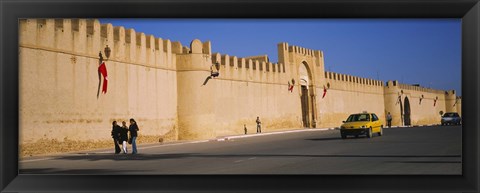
column 217, row 67
column 399, row 98
column 107, row 51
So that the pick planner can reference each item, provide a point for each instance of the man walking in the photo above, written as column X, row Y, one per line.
column 259, row 125
column 389, row 120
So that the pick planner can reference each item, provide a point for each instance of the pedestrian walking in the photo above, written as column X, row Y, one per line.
column 116, row 136
column 389, row 120
column 245, row 128
column 133, row 128
column 259, row 125
column 124, row 136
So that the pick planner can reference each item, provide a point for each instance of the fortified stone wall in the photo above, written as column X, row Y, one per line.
column 162, row 84
column 348, row 94
column 59, row 80
column 249, row 89
column 423, row 108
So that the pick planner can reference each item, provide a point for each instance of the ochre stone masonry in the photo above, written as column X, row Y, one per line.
column 160, row 84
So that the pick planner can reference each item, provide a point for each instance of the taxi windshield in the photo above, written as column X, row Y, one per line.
column 358, row 117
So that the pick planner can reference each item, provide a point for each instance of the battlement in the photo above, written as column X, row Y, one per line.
column 396, row 84
column 254, row 62
column 88, row 37
column 262, row 58
column 248, row 68
column 302, row 50
column 284, row 51
column 352, row 79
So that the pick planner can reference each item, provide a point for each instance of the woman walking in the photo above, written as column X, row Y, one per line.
column 133, row 134
column 124, row 136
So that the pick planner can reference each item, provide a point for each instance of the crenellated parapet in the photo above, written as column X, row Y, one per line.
column 416, row 91
column 301, row 50
column 337, row 77
column 87, row 37
column 419, row 88
column 289, row 53
column 253, row 69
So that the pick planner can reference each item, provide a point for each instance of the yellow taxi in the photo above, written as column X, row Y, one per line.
column 361, row 124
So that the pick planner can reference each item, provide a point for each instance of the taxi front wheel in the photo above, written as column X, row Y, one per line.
column 369, row 133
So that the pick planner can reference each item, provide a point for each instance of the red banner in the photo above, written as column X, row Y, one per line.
column 103, row 70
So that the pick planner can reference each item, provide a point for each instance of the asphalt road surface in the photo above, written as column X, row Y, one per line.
column 414, row 150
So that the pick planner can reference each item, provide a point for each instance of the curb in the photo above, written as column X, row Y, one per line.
column 414, row 126
column 270, row 133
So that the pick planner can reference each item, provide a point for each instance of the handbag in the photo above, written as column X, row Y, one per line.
column 130, row 140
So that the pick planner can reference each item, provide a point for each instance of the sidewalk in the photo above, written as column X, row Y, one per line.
column 224, row 138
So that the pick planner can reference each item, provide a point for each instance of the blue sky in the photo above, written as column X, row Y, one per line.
column 413, row 51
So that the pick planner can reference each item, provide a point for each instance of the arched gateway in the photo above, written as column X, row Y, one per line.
column 307, row 96
column 406, row 112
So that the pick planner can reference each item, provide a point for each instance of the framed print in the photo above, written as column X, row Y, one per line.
column 225, row 96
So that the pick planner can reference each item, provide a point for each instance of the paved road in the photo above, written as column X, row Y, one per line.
column 416, row 150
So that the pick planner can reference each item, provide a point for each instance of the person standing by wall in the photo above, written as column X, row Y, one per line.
column 124, row 136
column 245, row 128
column 389, row 120
column 133, row 134
column 259, row 125
column 116, row 136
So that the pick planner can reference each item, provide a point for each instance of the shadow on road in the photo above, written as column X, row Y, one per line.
column 140, row 157
column 73, row 171
column 326, row 139
column 349, row 138
column 429, row 162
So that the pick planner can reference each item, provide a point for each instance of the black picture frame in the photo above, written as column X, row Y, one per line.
column 11, row 11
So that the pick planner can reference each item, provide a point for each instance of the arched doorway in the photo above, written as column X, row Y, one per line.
column 307, row 96
column 401, row 110
column 407, row 112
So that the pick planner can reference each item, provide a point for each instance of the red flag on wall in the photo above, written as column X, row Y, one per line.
column 290, row 87
column 103, row 70
column 324, row 91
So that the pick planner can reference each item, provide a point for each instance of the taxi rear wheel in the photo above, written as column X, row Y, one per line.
column 381, row 131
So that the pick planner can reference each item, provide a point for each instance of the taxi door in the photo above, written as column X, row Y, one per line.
column 376, row 124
